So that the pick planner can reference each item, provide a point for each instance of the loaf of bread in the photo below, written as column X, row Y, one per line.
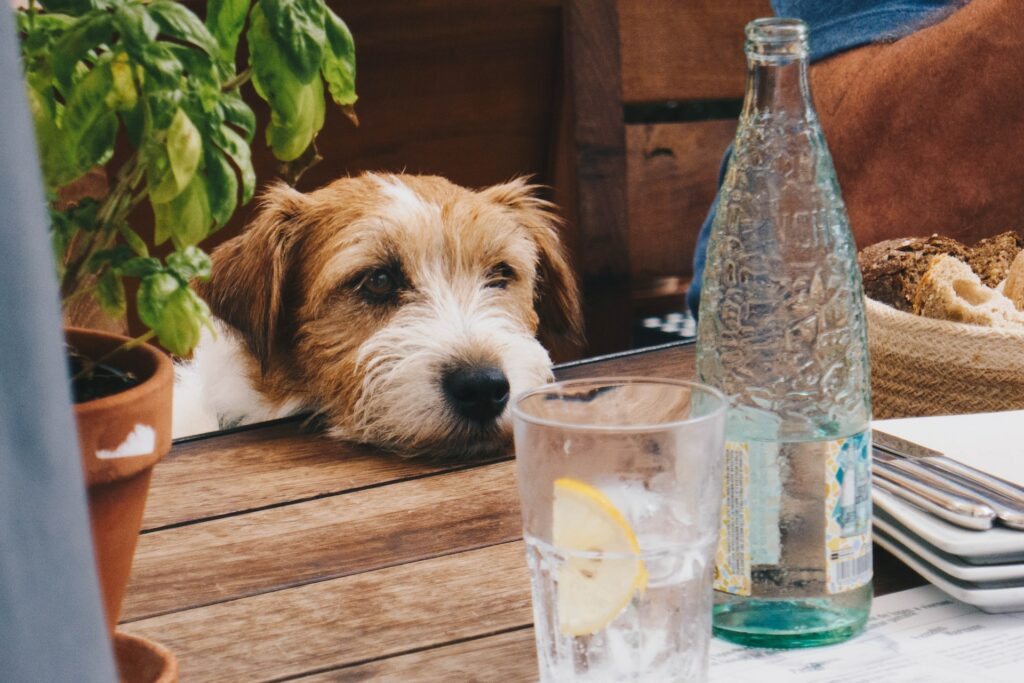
column 1013, row 286
column 991, row 258
column 951, row 290
column 892, row 269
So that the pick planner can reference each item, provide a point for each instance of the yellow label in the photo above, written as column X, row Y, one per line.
column 732, row 559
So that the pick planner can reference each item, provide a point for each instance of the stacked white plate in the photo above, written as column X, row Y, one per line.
column 981, row 568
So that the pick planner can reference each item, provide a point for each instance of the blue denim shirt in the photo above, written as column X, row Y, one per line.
column 835, row 26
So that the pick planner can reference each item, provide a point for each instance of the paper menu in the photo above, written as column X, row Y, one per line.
column 993, row 442
column 919, row 635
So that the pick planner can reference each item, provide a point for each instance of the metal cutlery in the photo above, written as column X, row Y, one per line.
column 952, row 507
column 938, row 460
column 934, row 469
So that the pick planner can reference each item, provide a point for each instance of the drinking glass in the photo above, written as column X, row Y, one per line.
column 621, row 483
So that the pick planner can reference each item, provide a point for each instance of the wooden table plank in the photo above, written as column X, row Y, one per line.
column 676, row 361
column 349, row 620
column 228, row 474
column 503, row 658
column 200, row 564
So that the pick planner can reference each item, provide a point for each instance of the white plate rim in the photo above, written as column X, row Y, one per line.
column 986, row 599
column 954, row 540
column 975, row 573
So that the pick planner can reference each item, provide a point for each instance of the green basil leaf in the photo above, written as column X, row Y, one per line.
column 297, row 27
column 89, row 126
column 112, row 258
column 87, row 34
column 161, row 65
column 173, row 311
column 222, row 184
column 225, row 19
column 203, row 82
column 287, row 137
column 190, row 263
column 163, row 185
column 163, row 107
column 238, row 150
column 135, row 243
column 44, row 28
column 339, row 66
column 176, row 21
column 296, row 109
column 181, row 321
column 184, row 148
column 138, row 35
column 49, row 139
column 110, row 294
column 235, row 111
column 72, row 7
column 154, row 292
column 122, row 96
column 140, row 266
column 185, row 219
column 136, row 27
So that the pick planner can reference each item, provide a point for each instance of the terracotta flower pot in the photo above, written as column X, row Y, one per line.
column 142, row 661
column 121, row 437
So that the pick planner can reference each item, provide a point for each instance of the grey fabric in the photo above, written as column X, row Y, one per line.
column 51, row 617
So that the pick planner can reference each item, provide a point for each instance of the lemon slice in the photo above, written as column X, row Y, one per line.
column 592, row 591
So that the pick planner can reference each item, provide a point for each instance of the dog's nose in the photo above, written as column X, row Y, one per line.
column 476, row 392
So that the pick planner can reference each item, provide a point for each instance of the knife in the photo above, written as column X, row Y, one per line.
column 1006, row 511
column 951, row 507
column 938, row 461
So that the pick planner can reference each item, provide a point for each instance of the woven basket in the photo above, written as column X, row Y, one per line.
column 922, row 366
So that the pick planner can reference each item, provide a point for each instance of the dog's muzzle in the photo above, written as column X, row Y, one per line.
column 477, row 393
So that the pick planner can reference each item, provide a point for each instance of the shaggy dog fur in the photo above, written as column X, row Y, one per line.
column 362, row 300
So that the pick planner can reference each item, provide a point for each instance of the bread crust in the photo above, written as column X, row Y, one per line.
column 892, row 269
column 990, row 258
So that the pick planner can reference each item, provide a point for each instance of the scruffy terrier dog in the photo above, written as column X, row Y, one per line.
column 403, row 310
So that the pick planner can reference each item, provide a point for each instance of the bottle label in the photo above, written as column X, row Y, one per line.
column 848, row 558
column 752, row 509
column 732, row 559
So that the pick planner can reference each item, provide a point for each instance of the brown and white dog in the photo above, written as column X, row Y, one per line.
column 404, row 310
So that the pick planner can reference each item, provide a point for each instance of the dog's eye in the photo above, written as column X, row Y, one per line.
column 379, row 284
column 500, row 276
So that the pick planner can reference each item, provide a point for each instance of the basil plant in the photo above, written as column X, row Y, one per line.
column 161, row 86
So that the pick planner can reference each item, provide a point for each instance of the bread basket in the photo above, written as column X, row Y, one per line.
column 922, row 366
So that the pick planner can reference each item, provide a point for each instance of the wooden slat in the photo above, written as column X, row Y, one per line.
column 597, row 145
column 349, row 620
column 503, row 658
column 673, row 50
column 228, row 474
column 672, row 178
column 225, row 559
column 676, row 362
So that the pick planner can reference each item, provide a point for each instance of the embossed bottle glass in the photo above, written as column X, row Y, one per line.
column 782, row 333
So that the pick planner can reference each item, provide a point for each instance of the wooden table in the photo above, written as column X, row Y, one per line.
column 275, row 553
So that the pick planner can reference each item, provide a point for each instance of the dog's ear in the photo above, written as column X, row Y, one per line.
column 250, row 275
column 556, row 295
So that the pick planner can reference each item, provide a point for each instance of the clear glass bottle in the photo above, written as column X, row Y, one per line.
column 782, row 333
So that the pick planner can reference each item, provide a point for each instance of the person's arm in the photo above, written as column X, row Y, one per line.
column 927, row 132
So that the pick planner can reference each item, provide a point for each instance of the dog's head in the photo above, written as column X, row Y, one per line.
column 404, row 309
